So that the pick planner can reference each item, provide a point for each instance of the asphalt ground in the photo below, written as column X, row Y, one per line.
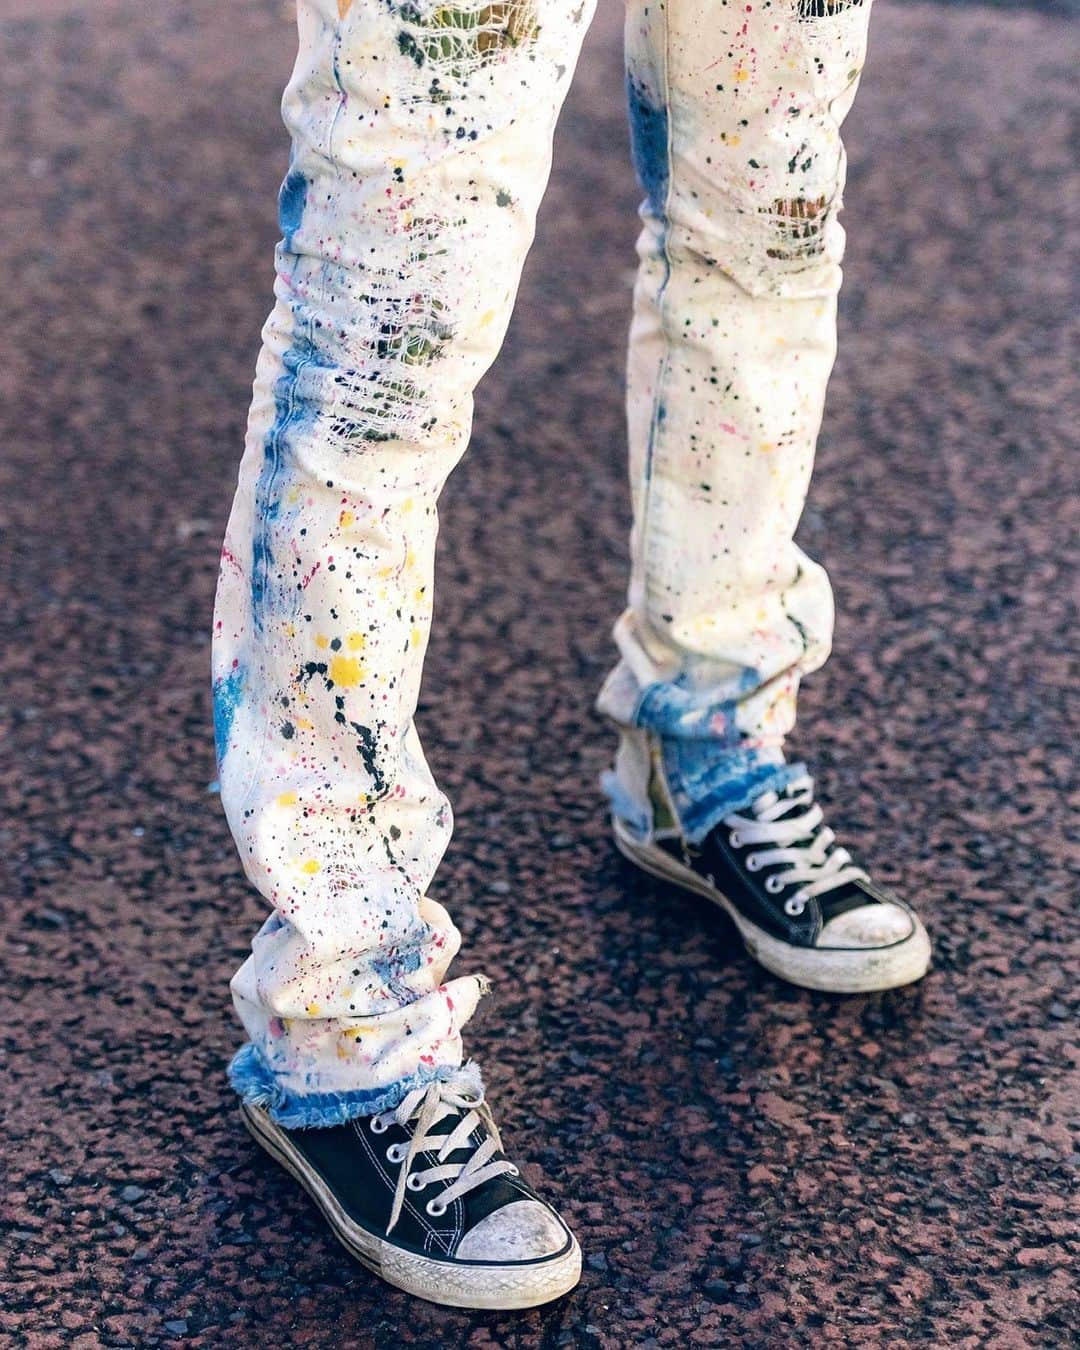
column 745, row 1163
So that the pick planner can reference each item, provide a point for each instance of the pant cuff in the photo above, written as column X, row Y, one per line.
column 258, row 1085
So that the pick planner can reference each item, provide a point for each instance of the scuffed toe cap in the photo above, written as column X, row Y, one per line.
column 523, row 1231
column 868, row 926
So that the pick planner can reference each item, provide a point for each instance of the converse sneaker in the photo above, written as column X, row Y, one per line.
column 801, row 905
column 424, row 1196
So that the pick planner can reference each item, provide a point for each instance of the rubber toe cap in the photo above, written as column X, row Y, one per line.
column 868, row 926
column 523, row 1231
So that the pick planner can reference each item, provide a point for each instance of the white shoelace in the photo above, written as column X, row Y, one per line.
column 429, row 1106
column 815, row 866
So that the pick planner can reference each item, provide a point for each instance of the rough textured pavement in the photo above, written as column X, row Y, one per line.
column 746, row 1164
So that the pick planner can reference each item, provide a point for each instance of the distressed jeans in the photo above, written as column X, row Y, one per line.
column 421, row 144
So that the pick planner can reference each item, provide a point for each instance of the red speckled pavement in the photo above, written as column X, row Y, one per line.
column 745, row 1163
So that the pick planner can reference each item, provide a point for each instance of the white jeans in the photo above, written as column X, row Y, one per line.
column 421, row 148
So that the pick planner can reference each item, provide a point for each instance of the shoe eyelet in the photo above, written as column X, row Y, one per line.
column 378, row 1125
column 794, row 907
column 514, row 1171
column 413, row 1182
column 435, row 1209
column 774, row 885
column 396, row 1153
column 752, row 861
column 735, row 839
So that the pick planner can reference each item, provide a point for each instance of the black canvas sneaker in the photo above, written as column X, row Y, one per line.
column 424, row 1196
column 802, row 906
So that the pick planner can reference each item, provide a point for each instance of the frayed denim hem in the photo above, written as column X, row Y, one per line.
column 256, row 1083
column 697, row 818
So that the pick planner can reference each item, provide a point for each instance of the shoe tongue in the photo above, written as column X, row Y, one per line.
column 852, row 895
column 791, row 806
column 449, row 1124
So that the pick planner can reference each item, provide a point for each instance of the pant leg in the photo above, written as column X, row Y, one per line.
column 421, row 146
column 735, row 124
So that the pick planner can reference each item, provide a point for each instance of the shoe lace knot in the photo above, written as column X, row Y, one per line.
column 797, row 841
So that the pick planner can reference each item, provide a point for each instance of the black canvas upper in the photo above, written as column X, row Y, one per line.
column 352, row 1161
column 722, row 864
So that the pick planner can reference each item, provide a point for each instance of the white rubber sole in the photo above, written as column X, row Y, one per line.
column 829, row 969
column 454, row 1284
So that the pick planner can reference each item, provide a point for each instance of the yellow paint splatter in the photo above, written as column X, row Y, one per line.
column 343, row 7
column 345, row 671
column 356, row 642
column 287, row 799
column 345, row 519
column 311, row 866
column 415, row 636
column 322, row 642
column 313, row 1010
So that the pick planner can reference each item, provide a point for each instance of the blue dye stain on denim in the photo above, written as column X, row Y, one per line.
column 228, row 691
column 297, row 399
column 391, row 970
column 649, row 144
column 649, row 148
column 291, row 201
column 396, row 965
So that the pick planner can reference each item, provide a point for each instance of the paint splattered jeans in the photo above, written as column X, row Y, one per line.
column 421, row 147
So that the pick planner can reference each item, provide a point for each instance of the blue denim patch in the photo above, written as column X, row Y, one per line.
column 256, row 1083
column 711, row 771
column 708, row 781
column 673, row 709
